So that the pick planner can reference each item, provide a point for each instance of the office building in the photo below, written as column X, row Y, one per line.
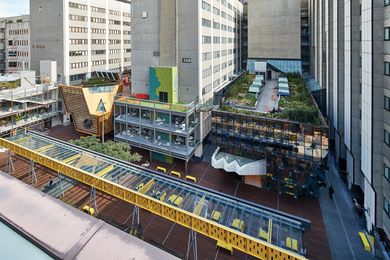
column 24, row 104
column 185, row 51
column 277, row 36
column 351, row 59
column 14, row 44
column 82, row 36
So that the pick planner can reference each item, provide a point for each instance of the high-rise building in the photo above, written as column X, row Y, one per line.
column 82, row 36
column 202, row 39
column 351, row 59
column 14, row 44
column 275, row 40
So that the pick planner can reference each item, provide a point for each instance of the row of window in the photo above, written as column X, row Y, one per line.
column 17, row 42
column 98, row 62
column 77, row 6
column 97, row 9
column 78, row 41
column 96, row 30
column 17, row 64
column 18, row 32
column 18, row 54
column 78, row 53
column 207, row 39
column 112, row 61
column 206, row 6
column 110, row 21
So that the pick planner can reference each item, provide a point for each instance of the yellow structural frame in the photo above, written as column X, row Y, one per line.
column 245, row 243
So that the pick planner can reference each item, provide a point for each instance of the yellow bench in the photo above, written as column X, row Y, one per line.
column 175, row 200
column 216, row 215
column 175, row 173
column 161, row 169
column 87, row 209
column 222, row 244
column 365, row 242
column 263, row 234
column 191, row 178
column 139, row 186
column 238, row 224
column 292, row 243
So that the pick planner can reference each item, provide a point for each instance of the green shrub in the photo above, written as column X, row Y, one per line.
column 119, row 150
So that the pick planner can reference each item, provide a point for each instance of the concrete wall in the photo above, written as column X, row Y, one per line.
column 47, row 34
column 146, row 42
column 274, row 29
column 188, row 35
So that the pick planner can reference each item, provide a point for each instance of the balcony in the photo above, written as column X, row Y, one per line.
column 2, row 45
column 170, row 129
column 2, row 36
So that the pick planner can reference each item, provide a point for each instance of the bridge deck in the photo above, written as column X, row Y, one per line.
column 251, row 228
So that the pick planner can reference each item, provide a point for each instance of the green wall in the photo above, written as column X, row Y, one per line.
column 163, row 79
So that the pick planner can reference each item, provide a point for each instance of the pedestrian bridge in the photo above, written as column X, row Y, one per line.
column 259, row 231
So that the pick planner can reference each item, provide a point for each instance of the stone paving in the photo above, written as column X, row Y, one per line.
column 268, row 98
column 342, row 222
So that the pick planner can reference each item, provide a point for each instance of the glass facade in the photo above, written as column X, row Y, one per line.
column 292, row 150
column 170, row 129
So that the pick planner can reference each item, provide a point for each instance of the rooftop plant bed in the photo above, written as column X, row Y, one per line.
column 9, row 84
column 98, row 82
column 298, row 107
column 238, row 95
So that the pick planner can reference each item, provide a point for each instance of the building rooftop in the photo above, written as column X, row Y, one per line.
column 294, row 102
column 65, row 232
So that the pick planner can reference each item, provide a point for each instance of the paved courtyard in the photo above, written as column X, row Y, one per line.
column 268, row 99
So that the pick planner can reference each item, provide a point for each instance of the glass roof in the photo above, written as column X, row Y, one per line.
column 252, row 219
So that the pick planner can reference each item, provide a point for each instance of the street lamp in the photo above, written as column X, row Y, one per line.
column 101, row 108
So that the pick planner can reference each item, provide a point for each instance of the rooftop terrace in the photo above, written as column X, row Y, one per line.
column 299, row 106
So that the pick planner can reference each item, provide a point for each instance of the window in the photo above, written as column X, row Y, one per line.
column 386, row 172
column 206, row 73
column 206, row 39
column 386, row 207
column 163, row 96
column 387, row 2
column 387, row 68
column 387, row 103
column 206, row 56
column 206, row 23
column 387, row 138
column 206, row 6
column 12, row 54
column 387, row 33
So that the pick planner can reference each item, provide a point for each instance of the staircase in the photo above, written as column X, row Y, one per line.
column 240, row 165
column 76, row 105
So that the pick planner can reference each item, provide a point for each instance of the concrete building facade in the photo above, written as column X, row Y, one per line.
column 82, row 36
column 14, row 44
column 351, row 59
column 201, row 38
column 278, row 34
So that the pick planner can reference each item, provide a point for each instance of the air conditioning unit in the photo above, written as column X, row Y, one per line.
column 144, row 14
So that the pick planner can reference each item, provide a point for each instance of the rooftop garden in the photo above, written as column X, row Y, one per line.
column 298, row 107
column 97, row 81
column 9, row 84
column 238, row 94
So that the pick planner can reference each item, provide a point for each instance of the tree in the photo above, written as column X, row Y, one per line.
column 119, row 150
